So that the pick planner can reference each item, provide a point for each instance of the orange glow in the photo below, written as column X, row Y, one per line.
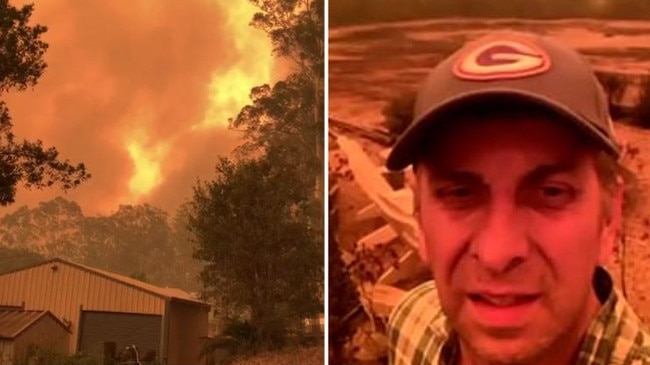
column 143, row 102
column 147, row 169
column 147, row 159
column 229, row 91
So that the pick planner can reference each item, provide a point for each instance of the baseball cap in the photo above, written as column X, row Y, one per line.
column 523, row 67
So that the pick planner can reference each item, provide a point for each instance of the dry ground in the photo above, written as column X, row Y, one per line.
column 303, row 356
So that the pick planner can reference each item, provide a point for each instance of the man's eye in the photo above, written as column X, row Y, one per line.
column 459, row 197
column 552, row 196
column 457, row 192
column 553, row 191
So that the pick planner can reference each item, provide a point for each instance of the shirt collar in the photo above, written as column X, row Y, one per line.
column 616, row 335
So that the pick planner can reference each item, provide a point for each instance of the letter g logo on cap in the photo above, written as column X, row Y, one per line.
column 501, row 59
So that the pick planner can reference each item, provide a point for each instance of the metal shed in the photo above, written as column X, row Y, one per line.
column 21, row 331
column 108, row 312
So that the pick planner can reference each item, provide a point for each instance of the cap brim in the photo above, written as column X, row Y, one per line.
column 412, row 141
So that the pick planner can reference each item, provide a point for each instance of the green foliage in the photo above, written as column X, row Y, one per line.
column 280, row 122
column 258, row 225
column 286, row 121
column 12, row 259
column 186, row 268
column 137, row 241
column 296, row 30
column 135, row 238
column 238, row 338
column 290, row 356
column 43, row 356
column 259, row 252
column 241, row 331
column 238, row 343
column 52, row 226
column 21, row 65
column 342, row 293
column 22, row 57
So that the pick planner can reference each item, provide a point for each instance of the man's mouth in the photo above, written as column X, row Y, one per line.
column 503, row 311
column 502, row 300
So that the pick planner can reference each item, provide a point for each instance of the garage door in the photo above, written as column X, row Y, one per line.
column 102, row 330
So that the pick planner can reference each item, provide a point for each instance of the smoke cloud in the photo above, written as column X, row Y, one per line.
column 140, row 91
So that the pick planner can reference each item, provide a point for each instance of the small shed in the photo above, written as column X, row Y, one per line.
column 22, row 331
column 108, row 312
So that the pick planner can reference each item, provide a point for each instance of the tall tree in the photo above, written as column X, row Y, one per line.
column 21, row 65
column 138, row 242
column 57, row 222
column 258, row 251
column 134, row 241
column 286, row 121
column 186, row 268
column 258, row 226
column 288, row 118
column 17, row 229
column 51, row 229
column 295, row 28
column 99, row 242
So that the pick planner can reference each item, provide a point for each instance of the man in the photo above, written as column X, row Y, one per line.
column 520, row 196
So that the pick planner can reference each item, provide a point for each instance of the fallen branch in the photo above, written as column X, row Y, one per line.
column 374, row 134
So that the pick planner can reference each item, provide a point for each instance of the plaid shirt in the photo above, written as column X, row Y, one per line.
column 418, row 333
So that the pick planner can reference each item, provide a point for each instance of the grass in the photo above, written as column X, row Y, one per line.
column 299, row 356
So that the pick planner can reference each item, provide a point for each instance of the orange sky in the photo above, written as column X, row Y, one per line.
column 140, row 91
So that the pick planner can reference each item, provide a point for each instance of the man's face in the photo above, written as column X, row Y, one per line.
column 511, row 220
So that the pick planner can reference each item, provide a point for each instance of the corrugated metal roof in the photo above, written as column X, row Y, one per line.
column 167, row 293
column 13, row 322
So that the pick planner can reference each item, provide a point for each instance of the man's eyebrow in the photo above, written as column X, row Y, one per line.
column 539, row 173
column 450, row 175
column 542, row 172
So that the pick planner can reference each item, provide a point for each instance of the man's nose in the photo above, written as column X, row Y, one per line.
column 500, row 243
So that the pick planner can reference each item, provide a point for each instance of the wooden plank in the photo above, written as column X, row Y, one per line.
column 409, row 266
column 370, row 211
column 377, row 237
column 380, row 299
column 374, row 134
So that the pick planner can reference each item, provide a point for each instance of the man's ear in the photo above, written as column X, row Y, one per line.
column 612, row 226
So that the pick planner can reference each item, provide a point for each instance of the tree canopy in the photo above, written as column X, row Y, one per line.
column 140, row 241
column 258, row 251
column 21, row 65
column 258, row 224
